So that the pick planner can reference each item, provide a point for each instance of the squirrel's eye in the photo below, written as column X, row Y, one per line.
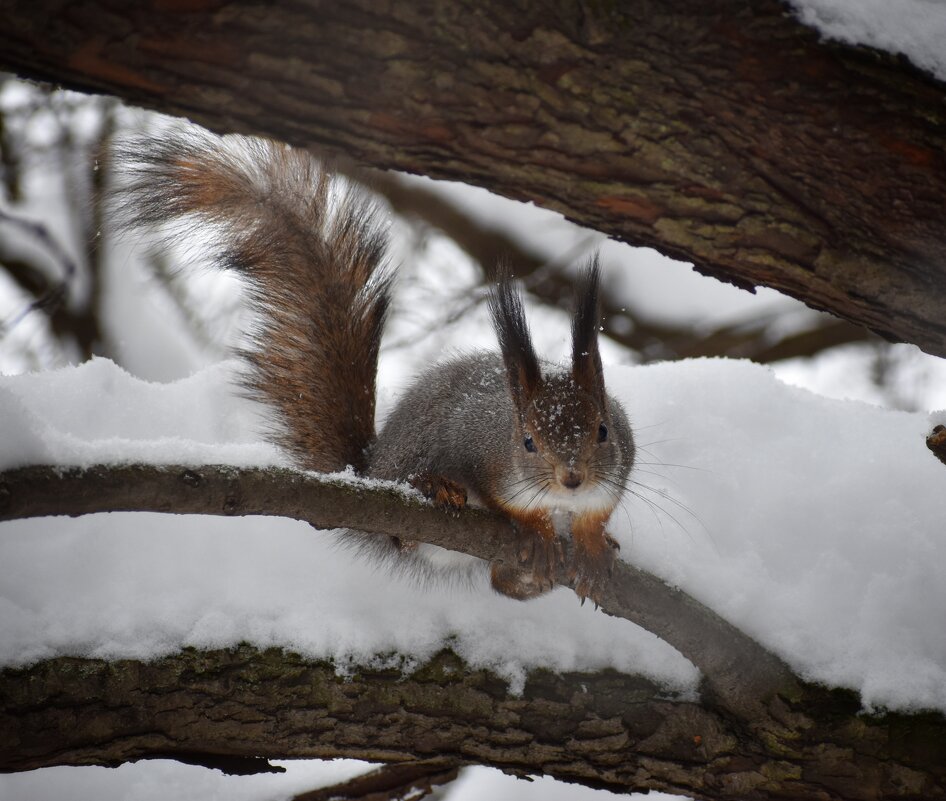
column 530, row 445
column 602, row 432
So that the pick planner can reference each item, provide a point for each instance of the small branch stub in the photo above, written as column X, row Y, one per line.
column 936, row 442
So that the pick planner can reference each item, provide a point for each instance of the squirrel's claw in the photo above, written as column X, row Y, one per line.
column 443, row 492
column 591, row 570
column 540, row 555
column 592, row 563
column 515, row 583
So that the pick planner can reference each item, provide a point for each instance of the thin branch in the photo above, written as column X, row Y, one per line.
column 741, row 674
column 54, row 297
column 409, row 781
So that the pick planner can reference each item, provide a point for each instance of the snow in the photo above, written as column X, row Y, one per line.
column 811, row 523
column 149, row 584
column 159, row 780
column 914, row 28
column 97, row 412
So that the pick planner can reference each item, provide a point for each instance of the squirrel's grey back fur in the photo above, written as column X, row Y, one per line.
column 448, row 422
column 457, row 420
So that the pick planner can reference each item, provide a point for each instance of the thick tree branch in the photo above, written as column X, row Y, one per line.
column 718, row 131
column 603, row 729
column 737, row 671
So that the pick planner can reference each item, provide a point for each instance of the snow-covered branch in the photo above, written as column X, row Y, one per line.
column 739, row 673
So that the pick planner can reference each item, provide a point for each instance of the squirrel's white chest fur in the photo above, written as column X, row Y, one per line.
column 587, row 499
column 562, row 507
column 557, row 502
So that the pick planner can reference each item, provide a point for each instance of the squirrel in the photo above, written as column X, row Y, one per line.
column 546, row 446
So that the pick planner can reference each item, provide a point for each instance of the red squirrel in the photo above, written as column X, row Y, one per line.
column 544, row 445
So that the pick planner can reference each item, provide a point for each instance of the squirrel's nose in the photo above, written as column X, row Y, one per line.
column 571, row 478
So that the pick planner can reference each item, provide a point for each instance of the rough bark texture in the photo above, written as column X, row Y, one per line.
column 718, row 131
column 228, row 708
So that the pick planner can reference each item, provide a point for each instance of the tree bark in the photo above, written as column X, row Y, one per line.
column 229, row 708
column 718, row 131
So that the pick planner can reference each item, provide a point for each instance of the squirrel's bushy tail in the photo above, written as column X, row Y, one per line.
column 313, row 251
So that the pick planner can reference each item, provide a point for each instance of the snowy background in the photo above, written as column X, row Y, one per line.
column 799, row 501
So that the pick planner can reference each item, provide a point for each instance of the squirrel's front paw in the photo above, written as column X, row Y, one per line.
column 591, row 567
column 540, row 557
column 515, row 583
column 442, row 491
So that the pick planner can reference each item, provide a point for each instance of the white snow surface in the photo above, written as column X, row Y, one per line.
column 96, row 412
column 914, row 28
column 161, row 779
column 813, row 524
column 165, row 780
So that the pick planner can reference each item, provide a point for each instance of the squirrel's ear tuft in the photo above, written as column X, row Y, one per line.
column 512, row 331
column 586, row 359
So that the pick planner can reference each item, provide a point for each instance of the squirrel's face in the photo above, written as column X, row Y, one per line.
column 572, row 453
column 572, row 447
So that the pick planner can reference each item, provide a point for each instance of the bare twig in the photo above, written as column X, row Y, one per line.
column 409, row 781
column 936, row 442
column 50, row 300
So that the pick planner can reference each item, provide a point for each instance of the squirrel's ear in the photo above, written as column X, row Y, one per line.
column 512, row 331
column 586, row 359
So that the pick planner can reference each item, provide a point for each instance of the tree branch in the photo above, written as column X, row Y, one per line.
column 737, row 671
column 402, row 781
column 720, row 132
column 55, row 294
column 601, row 729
